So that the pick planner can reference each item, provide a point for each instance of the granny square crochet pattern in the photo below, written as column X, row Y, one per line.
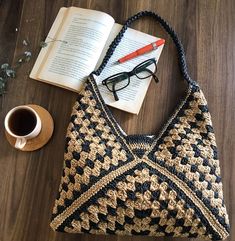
column 167, row 184
column 115, row 184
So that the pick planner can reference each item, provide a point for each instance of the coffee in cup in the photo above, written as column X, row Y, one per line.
column 23, row 123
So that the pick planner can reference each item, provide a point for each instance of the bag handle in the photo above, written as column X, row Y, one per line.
column 169, row 30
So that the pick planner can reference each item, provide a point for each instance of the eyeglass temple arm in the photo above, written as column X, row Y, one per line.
column 114, row 91
column 144, row 67
column 153, row 75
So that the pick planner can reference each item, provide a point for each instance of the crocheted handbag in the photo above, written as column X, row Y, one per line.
column 163, row 185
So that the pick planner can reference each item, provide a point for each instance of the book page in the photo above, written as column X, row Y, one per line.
column 82, row 37
column 131, row 97
column 45, row 51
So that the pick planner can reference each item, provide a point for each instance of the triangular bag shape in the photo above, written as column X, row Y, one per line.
column 165, row 185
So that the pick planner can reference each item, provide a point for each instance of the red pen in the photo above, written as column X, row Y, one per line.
column 142, row 50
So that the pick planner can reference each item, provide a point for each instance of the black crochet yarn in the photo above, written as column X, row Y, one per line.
column 166, row 184
column 166, row 26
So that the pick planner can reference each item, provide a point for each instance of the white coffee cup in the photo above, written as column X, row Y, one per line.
column 23, row 123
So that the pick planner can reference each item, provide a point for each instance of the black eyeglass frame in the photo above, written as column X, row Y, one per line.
column 113, row 79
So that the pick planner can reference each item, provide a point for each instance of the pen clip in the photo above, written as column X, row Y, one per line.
column 154, row 45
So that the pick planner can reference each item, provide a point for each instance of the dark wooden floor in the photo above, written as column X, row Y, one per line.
column 29, row 181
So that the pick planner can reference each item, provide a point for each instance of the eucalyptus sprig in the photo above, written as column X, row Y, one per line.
column 7, row 71
column 44, row 44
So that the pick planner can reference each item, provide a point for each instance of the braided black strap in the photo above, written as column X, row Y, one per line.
column 166, row 26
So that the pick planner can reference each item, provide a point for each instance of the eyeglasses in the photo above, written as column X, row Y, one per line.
column 121, row 80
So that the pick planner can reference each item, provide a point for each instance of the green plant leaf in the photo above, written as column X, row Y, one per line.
column 25, row 42
column 43, row 44
column 5, row 66
column 4, row 80
column 21, row 60
column 28, row 56
column 11, row 73
column 2, row 85
column 28, row 53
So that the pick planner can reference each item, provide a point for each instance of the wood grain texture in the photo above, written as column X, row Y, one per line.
column 29, row 181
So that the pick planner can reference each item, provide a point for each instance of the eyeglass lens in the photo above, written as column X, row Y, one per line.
column 118, row 81
column 145, row 69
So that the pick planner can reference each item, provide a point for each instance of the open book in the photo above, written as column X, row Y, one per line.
column 83, row 37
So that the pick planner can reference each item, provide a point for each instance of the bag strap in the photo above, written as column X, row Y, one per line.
column 169, row 30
